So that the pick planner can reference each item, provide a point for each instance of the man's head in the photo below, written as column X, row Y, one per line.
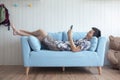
column 94, row 32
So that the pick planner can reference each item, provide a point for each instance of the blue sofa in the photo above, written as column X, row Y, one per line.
column 41, row 57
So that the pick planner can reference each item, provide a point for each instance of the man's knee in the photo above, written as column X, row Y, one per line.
column 40, row 32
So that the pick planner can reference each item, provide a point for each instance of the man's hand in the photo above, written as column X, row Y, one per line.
column 74, row 48
column 69, row 32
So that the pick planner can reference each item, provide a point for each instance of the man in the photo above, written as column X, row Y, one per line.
column 52, row 44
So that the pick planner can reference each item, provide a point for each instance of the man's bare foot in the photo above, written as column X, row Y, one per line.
column 15, row 32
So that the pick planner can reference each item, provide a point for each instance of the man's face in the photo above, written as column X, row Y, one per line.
column 90, row 34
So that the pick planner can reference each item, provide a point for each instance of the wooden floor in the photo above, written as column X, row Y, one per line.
column 18, row 73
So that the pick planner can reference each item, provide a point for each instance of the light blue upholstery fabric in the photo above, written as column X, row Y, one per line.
column 34, row 43
column 76, row 35
column 25, row 50
column 63, row 58
column 101, row 49
column 57, row 35
column 47, row 58
column 94, row 42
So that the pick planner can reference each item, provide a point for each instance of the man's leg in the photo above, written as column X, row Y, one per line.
column 18, row 32
column 38, row 33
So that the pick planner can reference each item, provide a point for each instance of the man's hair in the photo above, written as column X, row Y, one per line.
column 97, row 32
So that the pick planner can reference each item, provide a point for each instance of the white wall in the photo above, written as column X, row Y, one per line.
column 55, row 16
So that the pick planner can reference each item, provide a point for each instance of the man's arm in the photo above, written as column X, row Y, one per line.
column 74, row 48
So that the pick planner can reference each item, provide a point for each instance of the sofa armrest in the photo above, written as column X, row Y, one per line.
column 25, row 50
column 101, row 49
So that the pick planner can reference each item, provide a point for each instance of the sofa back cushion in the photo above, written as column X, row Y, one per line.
column 34, row 43
column 94, row 42
column 57, row 35
column 76, row 35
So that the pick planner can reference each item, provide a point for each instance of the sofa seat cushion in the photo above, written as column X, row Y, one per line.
column 63, row 58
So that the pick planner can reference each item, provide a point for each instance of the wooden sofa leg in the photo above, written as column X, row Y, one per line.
column 99, row 70
column 27, row 72
column 63, row 69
